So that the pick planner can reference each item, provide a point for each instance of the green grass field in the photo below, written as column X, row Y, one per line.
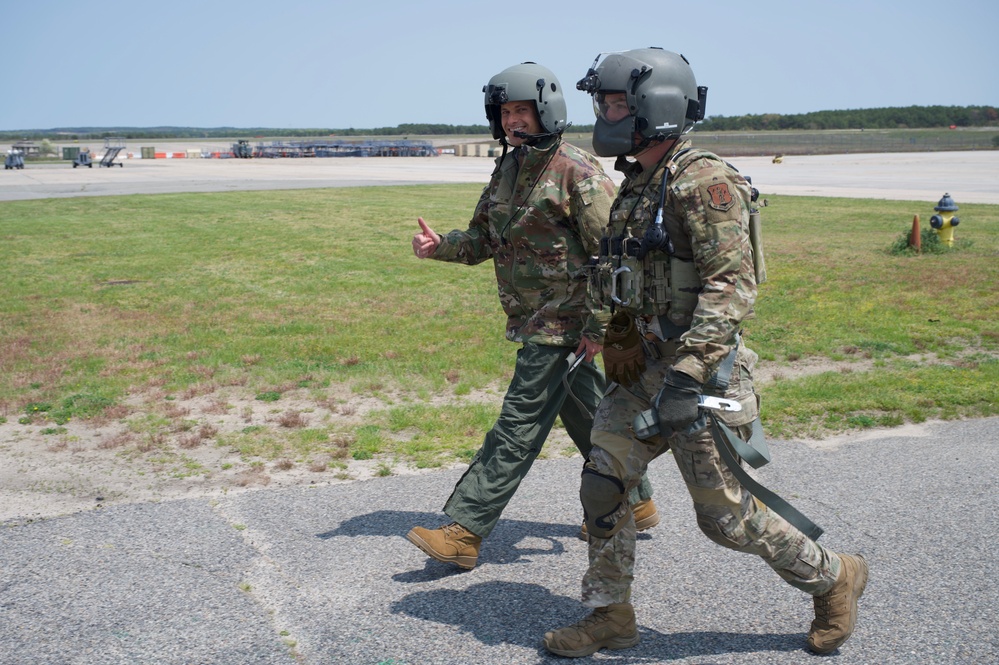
column 317, row 292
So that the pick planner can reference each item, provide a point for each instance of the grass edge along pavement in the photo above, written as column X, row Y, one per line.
column 295, row 326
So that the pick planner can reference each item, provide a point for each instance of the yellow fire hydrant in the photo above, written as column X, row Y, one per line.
column 945, row 223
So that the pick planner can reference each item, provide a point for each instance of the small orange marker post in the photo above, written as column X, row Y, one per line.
column 914, row 240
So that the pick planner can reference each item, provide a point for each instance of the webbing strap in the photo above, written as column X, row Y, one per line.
column 573, row 364
column 723, row 375
column 756, row 453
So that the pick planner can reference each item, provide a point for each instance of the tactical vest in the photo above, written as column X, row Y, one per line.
column 638, row 275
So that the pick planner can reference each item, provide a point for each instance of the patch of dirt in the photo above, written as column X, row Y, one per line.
column 48, row 470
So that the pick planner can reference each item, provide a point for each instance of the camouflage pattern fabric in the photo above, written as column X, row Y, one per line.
column 707, row 217
column 716, row 227
column 540, row 219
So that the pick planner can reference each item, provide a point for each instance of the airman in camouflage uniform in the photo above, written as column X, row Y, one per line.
column 539, row 220
column 676, row 268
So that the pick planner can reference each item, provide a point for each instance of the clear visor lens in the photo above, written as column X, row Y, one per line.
column 611, row 106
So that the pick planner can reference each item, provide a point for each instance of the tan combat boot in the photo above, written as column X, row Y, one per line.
column 449, row 544
column 611, row 627
column 836, row 609
column 646, row 516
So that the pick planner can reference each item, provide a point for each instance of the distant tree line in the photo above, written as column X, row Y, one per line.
column 911, row 117
column 91, row 133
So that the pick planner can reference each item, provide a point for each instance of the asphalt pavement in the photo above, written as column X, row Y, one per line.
column 323, row 574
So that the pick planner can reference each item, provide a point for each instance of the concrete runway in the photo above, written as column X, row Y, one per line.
column 969, row 177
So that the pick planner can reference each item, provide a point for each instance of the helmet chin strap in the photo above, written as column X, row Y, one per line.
column 647, row 142
column 532, row 139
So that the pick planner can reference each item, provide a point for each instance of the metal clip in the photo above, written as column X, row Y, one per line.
column 646, row 423
column 614, row 297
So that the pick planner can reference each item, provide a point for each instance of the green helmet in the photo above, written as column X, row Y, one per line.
column 525, row 81
column 662, row 95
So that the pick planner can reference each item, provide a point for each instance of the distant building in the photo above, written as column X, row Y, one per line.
column 28, row 148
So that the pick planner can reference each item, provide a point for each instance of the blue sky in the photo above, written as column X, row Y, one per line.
column 251, row 63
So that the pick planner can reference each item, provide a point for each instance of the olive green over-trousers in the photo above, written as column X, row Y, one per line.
column 535, row 398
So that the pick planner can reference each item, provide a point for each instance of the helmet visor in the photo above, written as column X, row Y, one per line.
column 611, row 106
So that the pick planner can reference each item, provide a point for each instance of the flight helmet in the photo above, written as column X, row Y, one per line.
column 663, row 99
column 526, row 81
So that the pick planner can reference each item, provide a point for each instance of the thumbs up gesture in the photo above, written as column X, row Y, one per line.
column 426, row 241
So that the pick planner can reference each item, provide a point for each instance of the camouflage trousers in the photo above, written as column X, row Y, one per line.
column 726, row 512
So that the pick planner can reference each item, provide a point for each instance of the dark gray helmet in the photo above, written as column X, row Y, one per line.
column 531, row 81
column 662, row 94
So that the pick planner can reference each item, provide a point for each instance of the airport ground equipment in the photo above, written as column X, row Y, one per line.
column 83, row 159
column 14, row 160
column 242, row 149
column 112, row 146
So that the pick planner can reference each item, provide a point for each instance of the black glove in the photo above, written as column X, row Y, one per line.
column 676, row 403
column 624, row 359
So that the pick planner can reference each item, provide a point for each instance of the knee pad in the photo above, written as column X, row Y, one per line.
column 601, row 496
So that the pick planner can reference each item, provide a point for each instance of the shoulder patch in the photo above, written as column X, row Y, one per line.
column 720, row 196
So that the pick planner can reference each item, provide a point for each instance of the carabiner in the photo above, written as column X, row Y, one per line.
column 623, row 303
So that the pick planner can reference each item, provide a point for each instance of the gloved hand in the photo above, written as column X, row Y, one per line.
column 676, row 403
column 624, row 360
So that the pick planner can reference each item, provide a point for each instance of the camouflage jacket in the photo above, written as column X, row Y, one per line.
column 707, row 216
column 540, row 219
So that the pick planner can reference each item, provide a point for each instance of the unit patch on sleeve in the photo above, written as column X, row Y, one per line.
column 721, row 198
